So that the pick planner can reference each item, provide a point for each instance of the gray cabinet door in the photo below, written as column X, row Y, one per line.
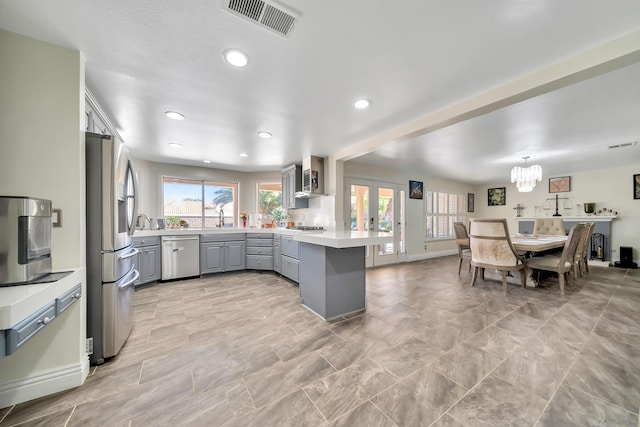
column 290, row 268
column 234, row 256
column 290, row 247
column 277, row 257
column 292, row 182
column 212, row 257
column 151, row 263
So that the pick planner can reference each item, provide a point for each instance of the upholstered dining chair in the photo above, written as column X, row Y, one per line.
column 548, row 227
column 582, row 251
column 491, row 248
column 462, row 242
column 563, row 264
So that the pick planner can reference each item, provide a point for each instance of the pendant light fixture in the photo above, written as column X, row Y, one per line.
column 526, row 177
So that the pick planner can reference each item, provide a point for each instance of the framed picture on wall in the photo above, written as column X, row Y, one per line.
column 636, row 186
column 560, row 184
column 415, row 189
column 471, row 203
column 497, row 196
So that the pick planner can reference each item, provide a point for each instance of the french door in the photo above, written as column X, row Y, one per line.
column 377, row 206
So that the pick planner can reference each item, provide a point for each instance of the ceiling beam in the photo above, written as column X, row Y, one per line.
column 607, row 57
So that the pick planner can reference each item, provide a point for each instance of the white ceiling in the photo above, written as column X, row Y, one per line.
column 410, row 57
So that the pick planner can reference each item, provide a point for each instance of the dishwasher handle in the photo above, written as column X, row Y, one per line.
column 179, row 238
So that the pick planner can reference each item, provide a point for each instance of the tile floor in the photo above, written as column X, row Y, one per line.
column 239, row 350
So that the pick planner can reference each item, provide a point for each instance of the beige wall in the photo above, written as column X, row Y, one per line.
column 42, row 155
column 607, row 188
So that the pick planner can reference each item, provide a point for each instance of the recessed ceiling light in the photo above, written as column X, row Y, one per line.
column 244, row 155
column 206, row 161
column 175, row 145
column 236, row 57
column 174, row 115
column 361, row 104
column 264, row 134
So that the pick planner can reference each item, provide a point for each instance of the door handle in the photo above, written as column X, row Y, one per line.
column 130, row 254
column 130, row 282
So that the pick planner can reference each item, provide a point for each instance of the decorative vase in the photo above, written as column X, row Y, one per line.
column 244, row 223
column 589, row 208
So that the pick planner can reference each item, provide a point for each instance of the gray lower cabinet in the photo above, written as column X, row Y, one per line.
column 149, row 260
column 12, row 339
column 290, row 257
column 222, row 252
column 277, row 254
column 260, row 251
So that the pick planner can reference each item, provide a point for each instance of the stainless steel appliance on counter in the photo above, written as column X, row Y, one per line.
column 180, row 256
column 25, row 239
column 111, row 215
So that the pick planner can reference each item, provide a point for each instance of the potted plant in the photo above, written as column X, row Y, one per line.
column 172, row 221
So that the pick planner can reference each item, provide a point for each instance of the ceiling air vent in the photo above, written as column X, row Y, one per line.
column 625, row 144
column 271, row 15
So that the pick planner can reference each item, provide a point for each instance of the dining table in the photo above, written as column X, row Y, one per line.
column 531, row 244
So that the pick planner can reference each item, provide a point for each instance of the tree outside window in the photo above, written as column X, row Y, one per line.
column 270, row 201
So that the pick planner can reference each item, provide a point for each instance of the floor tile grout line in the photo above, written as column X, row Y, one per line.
column 564, row 377
column 370, row 400
column 312, row 402
column 73, row 411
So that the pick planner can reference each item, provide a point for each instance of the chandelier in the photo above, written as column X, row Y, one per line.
column 526, row 177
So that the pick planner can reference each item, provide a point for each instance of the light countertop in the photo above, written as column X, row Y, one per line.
column 19, row 302
column 335, row 239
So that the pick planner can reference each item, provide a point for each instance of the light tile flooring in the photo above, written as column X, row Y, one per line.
column 239, row 350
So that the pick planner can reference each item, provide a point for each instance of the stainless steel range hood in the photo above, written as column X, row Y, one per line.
column 312, row 177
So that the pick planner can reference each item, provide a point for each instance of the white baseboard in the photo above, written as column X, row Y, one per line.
column 44, row 383
column 429, row 255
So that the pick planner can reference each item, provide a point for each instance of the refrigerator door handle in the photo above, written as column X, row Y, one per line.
column 134, row 251
column 130, row 282
column 132, row 226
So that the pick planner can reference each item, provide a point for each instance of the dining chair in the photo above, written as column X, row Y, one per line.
column 491, row 248
column 563, row 264
column 548, row 227
column 582, row 250
column 462, row 242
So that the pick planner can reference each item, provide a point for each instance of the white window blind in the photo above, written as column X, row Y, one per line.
column 442, row 210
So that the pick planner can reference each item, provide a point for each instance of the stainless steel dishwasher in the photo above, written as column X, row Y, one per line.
column 180, row 256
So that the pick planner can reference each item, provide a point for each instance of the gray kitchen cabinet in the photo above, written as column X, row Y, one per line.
column 222, row 252
column 290, row 257
column 260, row 251
column 211, row 257
column 12, row 339
column 277, row 254
column 292, row 182
column 234, row 256
column 148, row 261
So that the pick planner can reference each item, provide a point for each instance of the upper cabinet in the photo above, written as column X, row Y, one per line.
column 292, row 182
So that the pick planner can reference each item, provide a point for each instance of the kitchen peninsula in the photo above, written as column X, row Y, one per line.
column 331, row 268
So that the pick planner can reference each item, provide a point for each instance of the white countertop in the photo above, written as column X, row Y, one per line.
column 19, row 302
column 334, row 239
column 586, row 218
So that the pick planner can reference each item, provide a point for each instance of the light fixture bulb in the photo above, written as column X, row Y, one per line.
column 175, row 145
column 206, row 161
column 264, row 134
column 361, row 104
column 174, row 115
column 244, row 155
column 236, row 57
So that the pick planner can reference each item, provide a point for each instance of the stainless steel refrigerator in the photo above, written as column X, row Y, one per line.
column 111, row 212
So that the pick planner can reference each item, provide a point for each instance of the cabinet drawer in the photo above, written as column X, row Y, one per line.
column 30, row 326
column 139, row 242
column 259, row 250
column 259, row 262
column 260, row 242
column 259, row 235
column 222, row 237
column 290, row 247
column 290, row 268
column 65, row 301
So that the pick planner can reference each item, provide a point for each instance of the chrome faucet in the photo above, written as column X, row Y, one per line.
column 221, row 219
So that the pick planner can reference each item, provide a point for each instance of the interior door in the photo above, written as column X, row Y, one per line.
column 377, row 206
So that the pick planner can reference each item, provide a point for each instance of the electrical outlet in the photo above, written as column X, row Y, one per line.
column 425, row 247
